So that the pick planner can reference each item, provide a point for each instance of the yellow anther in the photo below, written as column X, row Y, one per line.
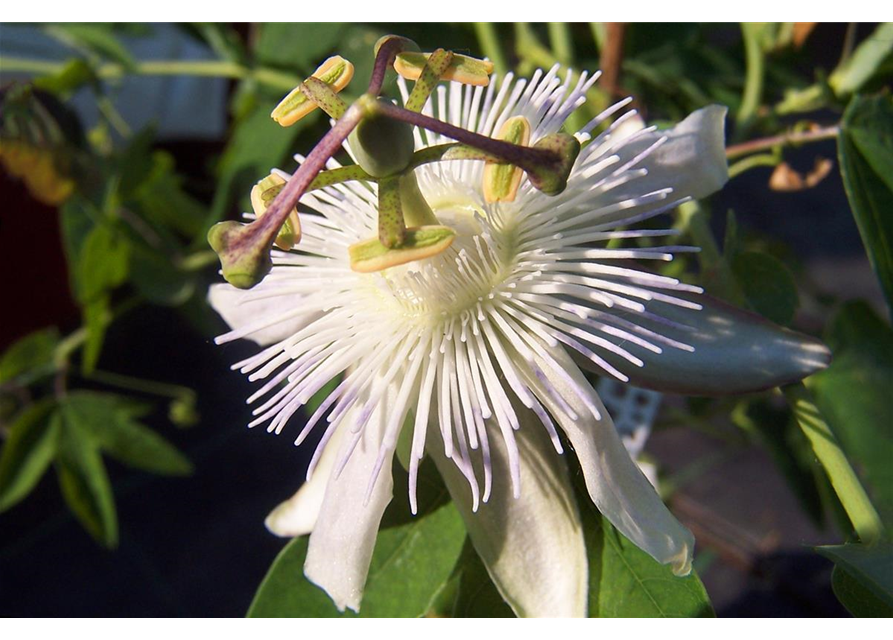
column 371, row 255
column 335, row 72
column 501, row 181
column 262, row 196
column 462, row 69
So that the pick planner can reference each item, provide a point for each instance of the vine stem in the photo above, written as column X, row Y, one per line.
column 826, row 447
column 200, row 68
column 612, row 56
column 792, row 138
column 755, row 69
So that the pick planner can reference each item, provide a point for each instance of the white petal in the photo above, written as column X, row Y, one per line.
column 532, row 546
column 734, row 351
column 297, row 515
column 616, row 485
column 692, row 160
column 239, row 308
column 341, row 545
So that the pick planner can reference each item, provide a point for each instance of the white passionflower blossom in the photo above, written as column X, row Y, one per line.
column 473, row 357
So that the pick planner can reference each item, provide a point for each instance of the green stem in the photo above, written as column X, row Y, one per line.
column 201, row 68
column 197, row 261
column 598, row 35
column 489, row 41
column 753, row 80
column 139, row 384
column 751, row 162
column 562, row 44
column 861, row 512
column 76, row 339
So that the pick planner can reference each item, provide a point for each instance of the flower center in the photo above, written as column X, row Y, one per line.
column 445, row 287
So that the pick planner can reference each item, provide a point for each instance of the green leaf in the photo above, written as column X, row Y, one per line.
column 285, row 592
column 768, row 285
column 97, row 317
column 73, row 75
column 864, row 61
column 163, row 201
column 104, row 262
column 83, row 479
column 297, row 46
column 27, row 452
column 854, row 396
column 863, row 578
column 33, row 352
column 625, row 582
column 255, row 144
column 111, row 421
column 411, row 563
column 77, row 221
column 223, row 40
column 410, row 566
column 865, row 150
column 477, row 596
column 95, row 38
column 731, row 246
column 856, row 597
column 158, row 279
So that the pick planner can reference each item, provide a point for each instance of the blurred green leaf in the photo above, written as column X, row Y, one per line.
column 103, row 263
column 182, row 411
column 768, row 285
column 297, row 46
column 865, row 150
column 75, row 74
column 854, row 396
column 158, row 279
column 33, row 352
column 864, row 61
column 731, row 245
column 27, row 452
column 97, row 38
column 866, row 589
column 77, row 221
column 97, row 317
column 164, row 202
column 134, row 162
column 222, row 39
column 83, row 479
column 111, row 422
column 256, row 145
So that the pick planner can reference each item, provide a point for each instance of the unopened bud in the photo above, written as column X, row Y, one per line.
column 552, row 179
column 244, row 256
